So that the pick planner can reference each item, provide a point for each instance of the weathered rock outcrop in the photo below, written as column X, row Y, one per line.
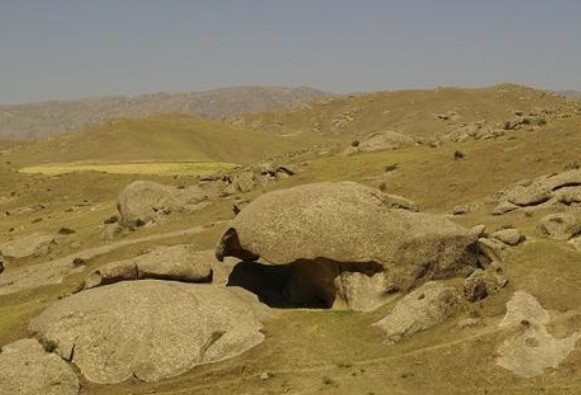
column 509, row 237
column 378, row 141
column 252, row 177
column 328, row 231
column 533, row 349
column 555, row 189
column 179, row 263
column 27, row 369
column 483, row 283
column 143, row 202
column 424, row 308
column 560, row 226
column 525, row 121
column 34, row 245
column 150, row 329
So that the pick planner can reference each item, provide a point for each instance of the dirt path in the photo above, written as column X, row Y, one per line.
column 489, row 330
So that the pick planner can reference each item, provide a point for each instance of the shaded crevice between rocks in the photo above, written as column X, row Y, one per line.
column 324, row 283
column 566, row 185
column 316, row 283
column 214, row 338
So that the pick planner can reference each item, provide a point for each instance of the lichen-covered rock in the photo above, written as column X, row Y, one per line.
column 150, row 329
column 428, row 306
column 27, row 369
column 323, row 230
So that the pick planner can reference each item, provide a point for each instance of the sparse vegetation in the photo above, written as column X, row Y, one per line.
column 390, row 168
column 182, row 168
column 328, row 381
column 458, row 155
column 427, row 176
column 48, row 345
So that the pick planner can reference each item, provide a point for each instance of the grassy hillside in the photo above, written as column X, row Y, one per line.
column 168, row 138
column 313, row 351
column 412, row 112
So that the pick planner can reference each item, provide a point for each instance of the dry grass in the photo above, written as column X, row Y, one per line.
column 160, row 169
column 303, row 347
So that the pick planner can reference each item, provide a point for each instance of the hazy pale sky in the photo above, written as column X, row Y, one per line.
column 59, row 49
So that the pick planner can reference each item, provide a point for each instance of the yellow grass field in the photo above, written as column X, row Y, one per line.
column 153, row 168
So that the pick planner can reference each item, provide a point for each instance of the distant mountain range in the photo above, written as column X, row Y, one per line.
column 25, row 121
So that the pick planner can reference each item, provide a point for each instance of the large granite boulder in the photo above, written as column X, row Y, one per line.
column 548, row 190
column 143, row 202
column 531, row 349
column 33, row 245
column 428, row 306
column 179, row 263
column 27, row 369
column 150, row 329
column 328, row 231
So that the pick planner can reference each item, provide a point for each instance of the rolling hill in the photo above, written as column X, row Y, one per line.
column 159, row 138
column 571, row 94
column 48, row 118
column 411, row 112
column 309, row 350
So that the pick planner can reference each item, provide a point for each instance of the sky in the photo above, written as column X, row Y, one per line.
column 63, row 49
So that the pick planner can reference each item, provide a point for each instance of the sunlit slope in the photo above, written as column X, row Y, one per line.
column 162, row 138
column 412, row 112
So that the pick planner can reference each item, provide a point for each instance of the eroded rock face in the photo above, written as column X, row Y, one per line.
column 34, row 245
column 143, row 202
column 179, row 263
column 493, row 249
column 428, row 306
column 150, row 329
column 529, row 194
column 252, row 177
column 560, row 226
column 556, row 189
column 27, row 369
column 385, row 140
column 483, row 283
column 327, row 229
column 533, row 349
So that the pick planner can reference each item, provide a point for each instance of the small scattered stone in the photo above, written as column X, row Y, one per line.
column 511, row 237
